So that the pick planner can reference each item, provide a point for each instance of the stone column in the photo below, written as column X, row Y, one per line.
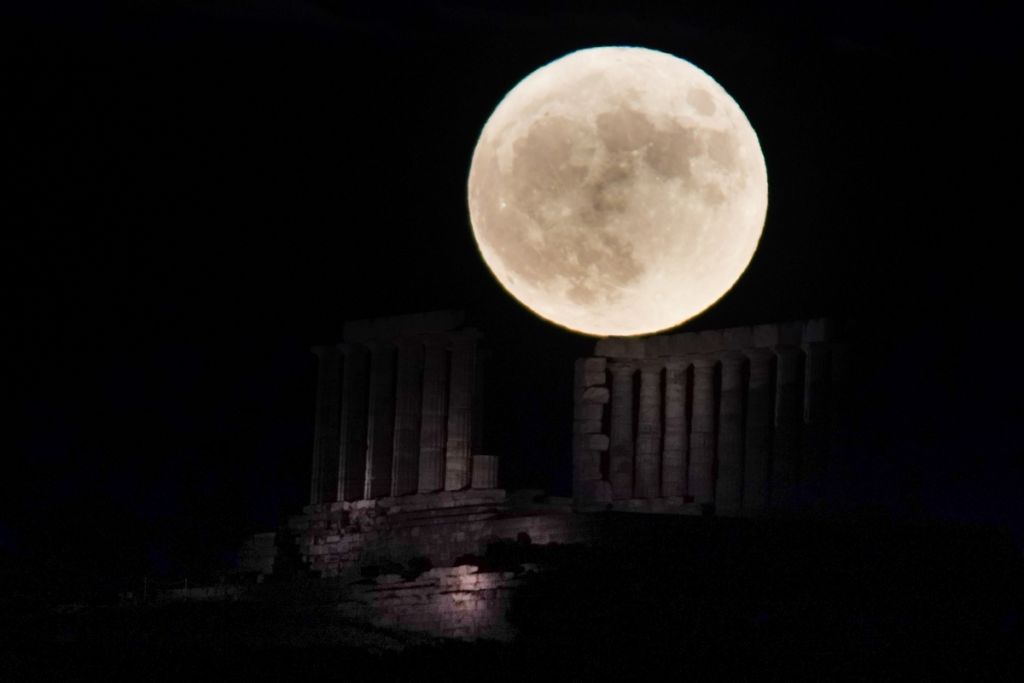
column 788, row 419
column 648, row 438
column 677, row 445
column 816, row 405
column 485, row 471
column 589, row 443
column 729, row 484
column 323, row 484
column 352, row 443
column 458, row 450
column 434, row 410
column 408, row 396
column 702, row 432
column 381, row 424
column 758, row 447
column 621, row 432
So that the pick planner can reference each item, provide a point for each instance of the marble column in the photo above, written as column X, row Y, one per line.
column 352, row 442
column 620, row 450
column 381, row 423
column 433, row 413
column 816, row 405
column 702, row 432
column 323, row 482
column 788, row 419
column 758, row 447
column 408, row 396
column 676, row 445
column 729, row 482
column 648, row 437
column 458, row 449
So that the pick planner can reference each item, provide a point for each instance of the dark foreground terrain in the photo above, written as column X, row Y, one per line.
column 843, row 599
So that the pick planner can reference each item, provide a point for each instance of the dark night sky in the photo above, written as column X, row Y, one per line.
column 203, row 190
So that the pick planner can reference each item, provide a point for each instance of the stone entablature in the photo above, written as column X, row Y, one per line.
column 734, row 420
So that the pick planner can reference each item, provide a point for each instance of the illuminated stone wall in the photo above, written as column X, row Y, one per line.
column 451, row 602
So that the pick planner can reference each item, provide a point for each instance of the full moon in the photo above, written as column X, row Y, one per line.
column 617, row 191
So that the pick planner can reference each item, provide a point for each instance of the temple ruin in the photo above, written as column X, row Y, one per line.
column 733, row 422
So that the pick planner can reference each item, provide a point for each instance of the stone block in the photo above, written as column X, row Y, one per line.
column 588, row 411
column 586, row 427
column 595, row 395
column 587, row 465
column 485, row 472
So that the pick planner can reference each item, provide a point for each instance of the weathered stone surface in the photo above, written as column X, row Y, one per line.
column 381, row 421
column 458, row 456
column 485, row 471
column 586, row 427
column 788, row 422
column 648, row 440
column 759, row 429
column 676, row 444
column 588, row 411
column 409, row 395
column 434, row 411
column 702, row 434
column 621, row 433
column 729, row 484
column 595, row 395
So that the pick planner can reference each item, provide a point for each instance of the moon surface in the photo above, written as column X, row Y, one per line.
column 617, row 191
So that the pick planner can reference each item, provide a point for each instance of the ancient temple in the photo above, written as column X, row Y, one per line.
column 398, row 410
column 731, row 422
column 737, row 420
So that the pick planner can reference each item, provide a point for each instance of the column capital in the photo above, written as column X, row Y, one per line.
column 677, row 363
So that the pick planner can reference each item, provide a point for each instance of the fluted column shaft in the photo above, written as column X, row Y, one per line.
column 433, row 412
column 788, row 419
column 729, row 481
column 702, row 434
column 648, row 438
column 351, row 453
column 621, row 432
column 816, row 408
column 326, row 434
column 676, row 444
column 458, row 449
column 381, row 423
column 408, row 397
column 758, row 446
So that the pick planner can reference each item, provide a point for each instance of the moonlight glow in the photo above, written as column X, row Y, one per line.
column 618, row 191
